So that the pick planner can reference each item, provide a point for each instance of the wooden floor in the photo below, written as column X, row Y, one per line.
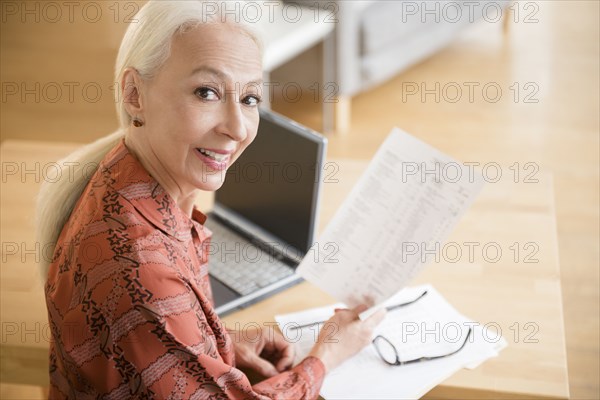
column 554, row 61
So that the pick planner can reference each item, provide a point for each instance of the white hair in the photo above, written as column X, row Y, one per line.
column 145, row 47
column 147, row 43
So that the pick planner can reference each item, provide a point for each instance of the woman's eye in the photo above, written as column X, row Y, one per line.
column 251, row 100
column 206, row 93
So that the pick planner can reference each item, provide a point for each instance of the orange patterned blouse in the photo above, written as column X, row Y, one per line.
column 130, row 304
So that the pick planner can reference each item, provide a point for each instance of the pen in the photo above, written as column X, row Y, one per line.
column 388, row 308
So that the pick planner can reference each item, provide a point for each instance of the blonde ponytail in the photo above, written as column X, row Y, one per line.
column 56, row 199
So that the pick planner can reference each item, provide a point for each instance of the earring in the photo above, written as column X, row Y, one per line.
column 137, row 122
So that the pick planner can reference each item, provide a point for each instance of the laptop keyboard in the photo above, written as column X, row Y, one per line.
column 241, row 265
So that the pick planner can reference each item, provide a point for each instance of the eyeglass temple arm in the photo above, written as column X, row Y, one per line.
column 389, row 308
column 436, row 357
column 394, row 307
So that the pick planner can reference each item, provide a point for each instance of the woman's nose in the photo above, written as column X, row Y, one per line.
column 232, row 123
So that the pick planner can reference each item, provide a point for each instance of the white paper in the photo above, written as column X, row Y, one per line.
column 407, row 201
column 366, row 376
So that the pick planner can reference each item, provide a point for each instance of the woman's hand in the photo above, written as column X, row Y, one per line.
column 263, row 350
column 344, row 335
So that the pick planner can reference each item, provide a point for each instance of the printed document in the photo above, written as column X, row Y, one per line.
column 394, row 220
column 429, row 326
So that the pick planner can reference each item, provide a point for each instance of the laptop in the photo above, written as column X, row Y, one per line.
column 264, row 218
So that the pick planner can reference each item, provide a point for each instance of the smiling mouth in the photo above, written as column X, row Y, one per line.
column 212, row 155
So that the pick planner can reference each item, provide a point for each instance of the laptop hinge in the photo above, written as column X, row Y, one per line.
column 274, row 249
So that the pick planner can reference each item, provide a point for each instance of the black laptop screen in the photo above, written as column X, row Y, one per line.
column 274, row 181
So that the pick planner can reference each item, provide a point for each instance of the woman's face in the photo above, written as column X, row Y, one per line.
column 200, row 110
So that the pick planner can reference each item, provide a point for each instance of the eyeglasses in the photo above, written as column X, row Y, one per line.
column 388, row 352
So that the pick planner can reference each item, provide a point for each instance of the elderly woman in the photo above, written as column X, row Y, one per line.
column 127, row 291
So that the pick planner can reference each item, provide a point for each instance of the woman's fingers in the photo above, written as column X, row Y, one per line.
column 282, row 351
column 351, row 334
column 360, row 308
column 263, row 367
column 287, row 356
column 351, row 313
column 375, row 319
column 277, row 350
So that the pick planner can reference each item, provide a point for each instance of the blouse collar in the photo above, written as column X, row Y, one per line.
column 131, row 180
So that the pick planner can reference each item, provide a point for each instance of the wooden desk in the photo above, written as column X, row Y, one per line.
column 522, row 299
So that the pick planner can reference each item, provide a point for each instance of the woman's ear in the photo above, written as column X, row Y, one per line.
column 131, row 84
